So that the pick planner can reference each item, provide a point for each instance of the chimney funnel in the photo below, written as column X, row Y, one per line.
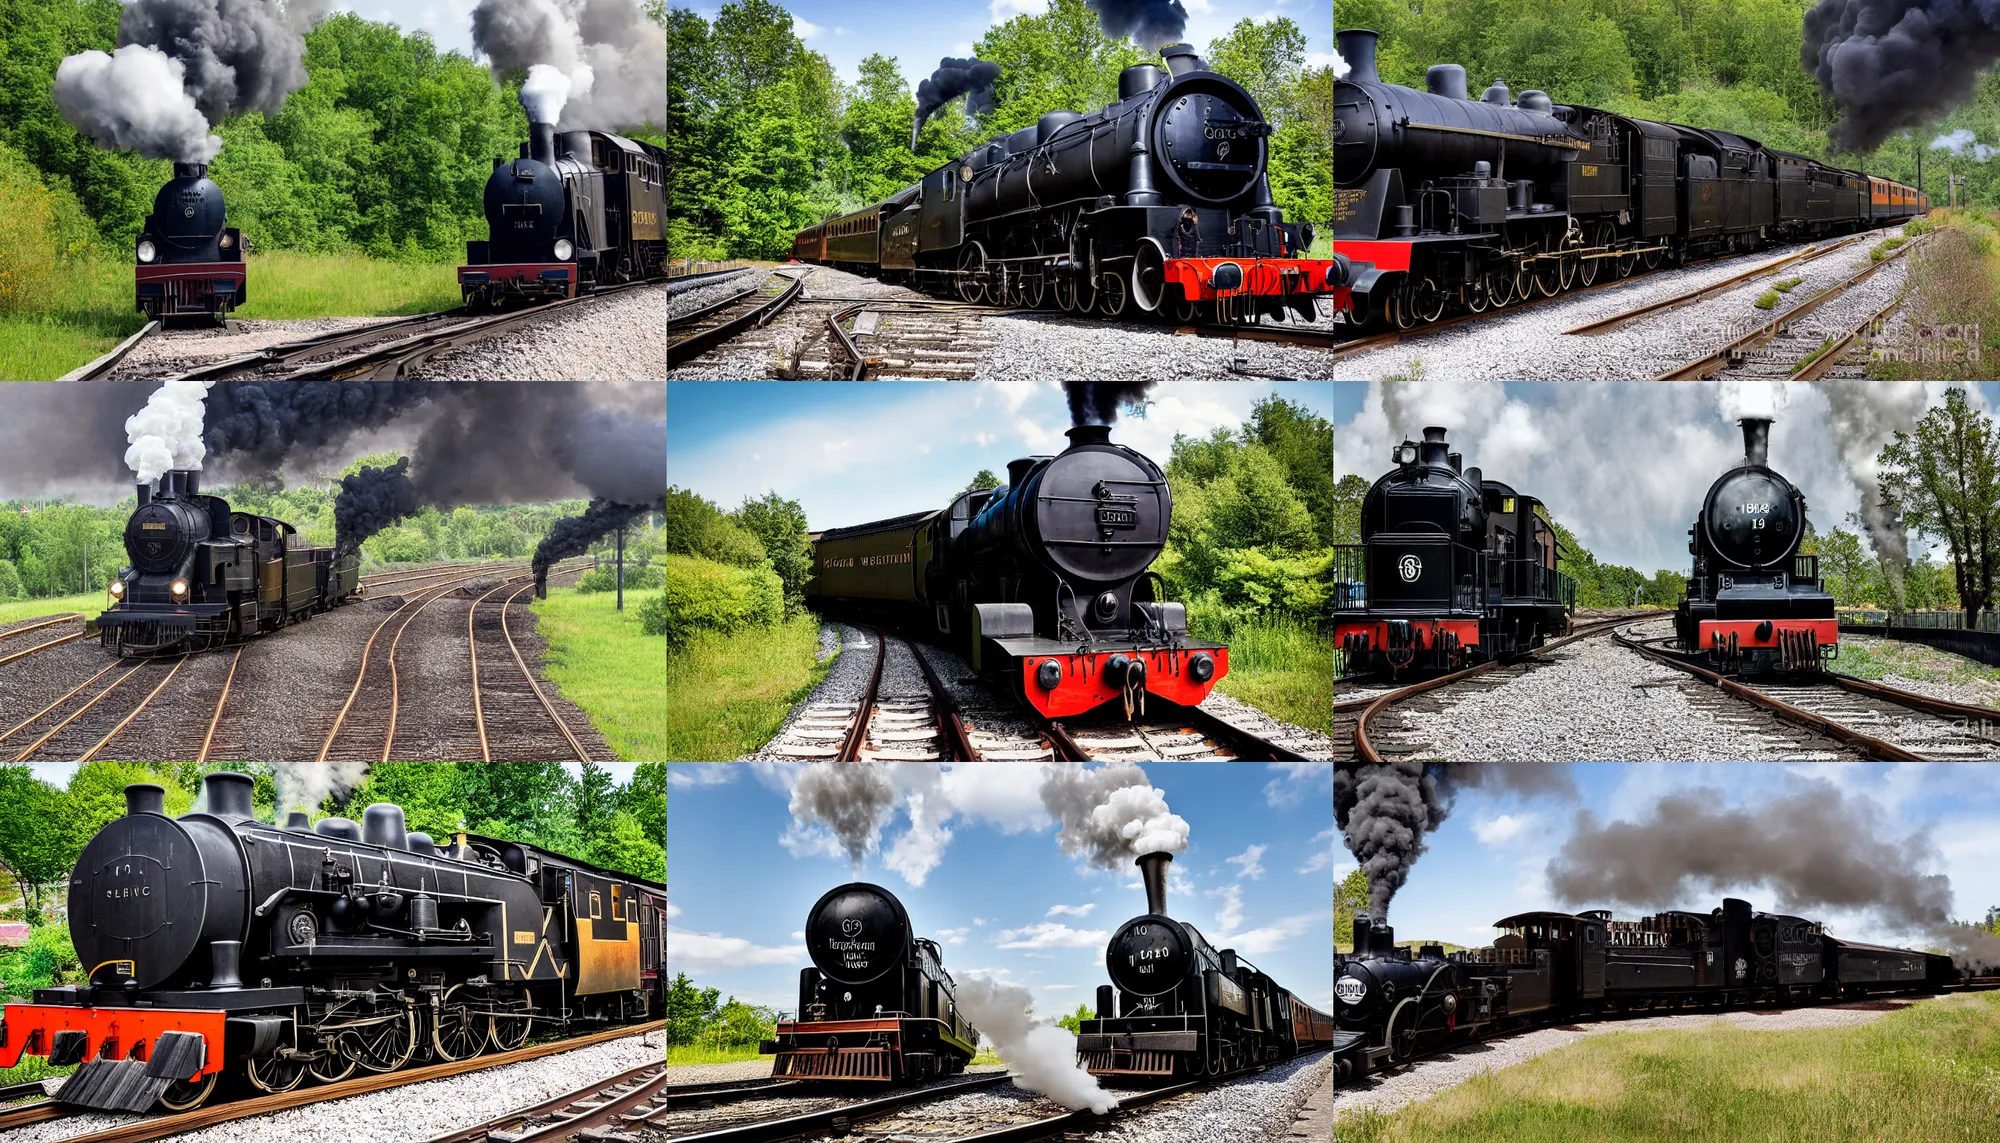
column 542, row 143
column 1361, row 927
column 1382, row 940
column 1756, row 440
column 298, row 820
column 225, row 963
column 145, row 798
column 1456, row 461
column 145, row 493
column 229, row 795
column 1181, row 59
column 1434, row 452
column 1017, row 470
column 1357, row 47
column 1153, row 871
column 1088, row 434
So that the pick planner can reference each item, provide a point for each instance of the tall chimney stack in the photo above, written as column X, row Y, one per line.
column 1357, row 47
column 1756, row 440
column 1153, row 871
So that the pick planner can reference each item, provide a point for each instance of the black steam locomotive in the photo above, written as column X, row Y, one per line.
column 215, row 942
column 1445, row 203
column 1394, row 1004
column 572, row 213
column 1177, row 1009
column 1754, row 604
column 1158, row 203
column 878, row 1005
column 1451, row 568
column 189, row 263
column 1042, row 583
column 202, row 575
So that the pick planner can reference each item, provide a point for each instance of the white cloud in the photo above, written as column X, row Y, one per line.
column 1503, row 829
column 1295, row 780
column 981, row 921
column 1052, row 935
column 1248, row 867
column 1005, row 10
column 806, row 29
column 1056, row 987
column 1071, row 910
column 1231, row 913
column 1344, row 870
column 707, row 952
column 673, row 910
column 698, row 775
column 1323, row 856
column 1271, row 937
column 953, row 936
column 982, row 439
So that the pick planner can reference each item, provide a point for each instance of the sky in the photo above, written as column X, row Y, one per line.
column 1624, row 465
column 918, row 35
column 448, row 21
column 855, row 452
column 988, row 882
column 1489, row 858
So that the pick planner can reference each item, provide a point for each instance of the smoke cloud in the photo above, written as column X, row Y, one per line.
column 972, row 78
column 1891, row 64
column 1814, row 849
column 608, row 50
column 304, row 785
column 1759, row 400
column 1152, row 24
column 547, row 90
column 853, row 800
column 1339, row 65
column 1097, row 402
column 1965, row 145
column 1864, row 419
column 1040, row 1057
column 167, row 432
column 135, row 99
column 370, row 500
column 1110, row 815
column 573, row 535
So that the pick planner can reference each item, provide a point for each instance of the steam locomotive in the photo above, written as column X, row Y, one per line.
column 202, row 575
column 1158, row 203
column 1042, row 583
column 1451, row 568
column 1393, row 1004
column 1445, row 203
column 1177, row 1009
column 572, row 213
column 189, row 263
column 219, row 943
column 1754, row 604
column 877, row 1005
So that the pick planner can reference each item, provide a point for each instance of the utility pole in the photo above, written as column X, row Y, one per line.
column 621, row 568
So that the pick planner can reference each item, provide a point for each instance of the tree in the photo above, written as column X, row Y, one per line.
column 1301, row 441
column 689, row 1009
column 1944, row 477
column 1349, row 897
column 1847, row 571
column 645, row 798
column 591, row 795
column 1346, row 513
column 696, row 527
column 36, row 843
column 1074, row 1021
column 982, row 481
column 628, row 847
column 780, row 528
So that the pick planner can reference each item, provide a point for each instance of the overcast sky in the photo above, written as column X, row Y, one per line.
column 1625, row 464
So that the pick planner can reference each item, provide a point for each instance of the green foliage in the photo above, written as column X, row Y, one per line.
column 653, row 614
column 780, row 528
column 983, row 480
column 726, row 695
column 1766, row 300
column 703, row 595
column 1786, row 285
column 696, row 527
column 1944, row 477
column 700, row 1016
column 1074, row 1021
column 1601, row 585
column 638, row 577
column 1349, row 897
column 48, row 959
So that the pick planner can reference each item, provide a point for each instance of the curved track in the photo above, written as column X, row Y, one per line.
column 699, row 331
column 610, row 1109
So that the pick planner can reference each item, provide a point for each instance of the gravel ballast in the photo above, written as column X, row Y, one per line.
column 1254, row 1109
column 622, row 338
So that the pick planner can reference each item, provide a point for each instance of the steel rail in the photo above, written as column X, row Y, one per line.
column 950, row 723
column 700, row 312
column 701, row 341
column 1072, row 1124
column 505, row 629
column 515, row 1126
column 109, row 361
column 292, row 350
column 1817, row 364
column 1721, row 358
column 73, row 692
column 727, row 1091
column 216, row 720
column 65, row 617
column 840, row 1119
column 472, row 648
column 143, row 704
column 864, row 711
column 1068, row 749
column 168, row 1126
column 80, row 711
column 41, row 1111
column 1607, row 324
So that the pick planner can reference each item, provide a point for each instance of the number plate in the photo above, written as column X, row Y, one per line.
column 1117, row 517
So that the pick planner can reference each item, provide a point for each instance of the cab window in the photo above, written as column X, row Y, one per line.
column 596, row 906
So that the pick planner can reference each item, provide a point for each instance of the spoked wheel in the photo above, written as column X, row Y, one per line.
column 1427, row 301
column 1086, row 295
column 1548, row 276
column 1113, row 297
column 1651, row 259
column 1033, row 290
column 1184, row 311
column 1476, row 298
column 510, row 1031
column 1588, row 269
column 186, row 1095
column 1064, row 291
column 1569, row 264
column 458, row 1033
column 1500, row 289
column 972, row 269
column 386, row 1046
column 275, row 1073
column 332, row 1067
column 1396, row 311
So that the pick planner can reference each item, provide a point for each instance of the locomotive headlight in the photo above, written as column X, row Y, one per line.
column 228, row 241
column 564, row 249
column 147, row 251
column 1048, row 674
column 1406, row 454
column 1202, row 666
column 180, row 588
column 118, row 588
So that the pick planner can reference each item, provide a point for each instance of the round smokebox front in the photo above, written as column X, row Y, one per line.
column 1100, row 514
column 1149, row 956
column 856, row 933
column 139, row 894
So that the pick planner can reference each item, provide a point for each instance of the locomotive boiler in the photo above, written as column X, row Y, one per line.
column 189, row 262
column 215, row 942
column 573, row 212
column 1452, row 568
column 1157, row 203
column 1043, row 583
column 203, row 575
column 1177, row 1008
column 877, row 1005
column 1754, row 604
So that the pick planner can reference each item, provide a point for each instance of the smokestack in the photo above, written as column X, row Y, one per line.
column 190, row 170
column 298, row 820
column 145, row 798
column 1088, row 435
column 1362, row 925
column 145, row 493
column 190, row 482
column 1456, row 461
column 1382, row 940
column 542, row 142
column 225, row 963
column 1017, row 470
column 1756, row 440
column 1153, row 871
column 228, row 794
column 1357, row 47
column 1434, row 451
column 1181, row 59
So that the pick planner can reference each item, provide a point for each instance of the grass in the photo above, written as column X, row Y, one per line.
column 1929, row 1073
column 683, row 1054
column 727, row 695
column 610, row 668
column 30, row 1069
column 1883, row 248
column 90, row 603
column 1876, row 659
column 1786, row 285
column 1283, row 669
column 92, row 309
column 1766, row 300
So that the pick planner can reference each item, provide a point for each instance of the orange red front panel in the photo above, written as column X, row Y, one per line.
column 1265, row 277
column 131, row 1032
column 1716, row 632
column 1465, row 630
column 1382, row 255
column 1083, row 687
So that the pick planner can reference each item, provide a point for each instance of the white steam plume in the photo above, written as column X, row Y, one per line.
column 1110, row 815
column 1964, row 144
column 134, row 98
column 547, row 91
column 1040, row 1057
column 852, row 799
column 1757, row 399
column 1339, row 65
column 304, row 785
column 610, row 51
column 167, row 432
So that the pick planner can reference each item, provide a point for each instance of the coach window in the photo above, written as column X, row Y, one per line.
column 596, row 906
column 618, row 903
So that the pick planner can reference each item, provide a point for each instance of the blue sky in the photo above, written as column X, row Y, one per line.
column 1001, row 899
column 853, row 452
column 1624, row 465
column 1488, row 859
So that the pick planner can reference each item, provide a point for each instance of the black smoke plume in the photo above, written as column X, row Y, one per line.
column 371, row 500
column 573, row 535
column 1152, row 24
column 974, row 79
column 1814, row 849
column 1096, row 402
column 1891, row 64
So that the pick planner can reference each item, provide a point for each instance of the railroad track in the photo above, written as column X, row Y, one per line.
column 702, row 330
column 40, row 1111
column 10, row 653
column 604, row 1112
column 835, row 1116
column 521, row 709
column 171, row 1126
column 1354, row 718
column 1734, row 356
column 726, row 1091
column 79, row 725
column 1879, row 722
column 1808, row 254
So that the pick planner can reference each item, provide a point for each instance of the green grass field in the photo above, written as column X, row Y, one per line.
column 1283, row 669
column 728, row 694
column 93, row 310
column 681, row 1054
column 89, row 603
column 608, row 666
column 1927, row 1074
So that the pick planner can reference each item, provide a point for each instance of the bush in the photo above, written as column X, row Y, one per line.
column 47, row 959
column 653, row 615
column 1787, row 285
column 1766, row 300
column 703, row 595
column 604, row 577
column 10, row 581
